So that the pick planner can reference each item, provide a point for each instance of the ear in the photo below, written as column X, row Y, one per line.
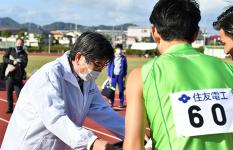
column 155, row 35
column 78, row 57
column 222, row 32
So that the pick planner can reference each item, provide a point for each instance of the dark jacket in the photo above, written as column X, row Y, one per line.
column 10, row 54
column 123, row 70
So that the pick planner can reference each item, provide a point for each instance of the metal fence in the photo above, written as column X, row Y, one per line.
column 6, row 44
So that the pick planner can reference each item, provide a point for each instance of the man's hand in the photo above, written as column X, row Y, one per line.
column 100, row 144
column 12, row 68
column 15, row 62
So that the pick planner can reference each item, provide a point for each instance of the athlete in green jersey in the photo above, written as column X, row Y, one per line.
column 186, row 96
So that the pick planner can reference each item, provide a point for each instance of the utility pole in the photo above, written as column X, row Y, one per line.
column 113, row 37
column 205, row 33
column 49, row 42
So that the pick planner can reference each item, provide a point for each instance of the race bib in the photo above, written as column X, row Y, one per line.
column 201, row 112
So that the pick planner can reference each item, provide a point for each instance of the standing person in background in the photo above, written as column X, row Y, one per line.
column 224, row 24
column 185, row 95
column 16, row 60
column 56, row 100
column 117, row 71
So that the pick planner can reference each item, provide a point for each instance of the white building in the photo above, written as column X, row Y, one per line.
column 217, row 52
column 139, row 32
column 136, row 34
column 65, row 37
column 32, row 40
column 116, row 36
column 73, row 35
column 198, row 43
column 144, row 46
column 10, row 41
column 64, row 41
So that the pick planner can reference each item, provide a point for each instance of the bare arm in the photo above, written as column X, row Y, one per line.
column 100, row 144
column 135, row 113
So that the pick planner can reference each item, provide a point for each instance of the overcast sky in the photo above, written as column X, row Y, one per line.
column 97, row 12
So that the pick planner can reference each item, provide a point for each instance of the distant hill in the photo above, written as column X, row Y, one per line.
column 59, row 26
column 33, row 28
column 116, row 27
column 72, row 26
column 7, row 23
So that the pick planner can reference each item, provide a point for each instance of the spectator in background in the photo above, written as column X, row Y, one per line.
column 16, row 60
column 185, row 95
column 224, row 24
column 117, row 71
column 55, row 101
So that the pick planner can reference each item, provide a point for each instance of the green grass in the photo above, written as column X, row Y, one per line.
column 36, row 61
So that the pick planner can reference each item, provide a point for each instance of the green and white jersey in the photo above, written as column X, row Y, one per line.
column 189, row 101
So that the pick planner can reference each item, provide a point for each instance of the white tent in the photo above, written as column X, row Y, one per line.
column 143, row 46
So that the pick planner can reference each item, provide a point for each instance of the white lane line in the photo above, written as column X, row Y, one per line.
column 6, row 121
column 4, row 100
column 1, row 119
column 103, row 133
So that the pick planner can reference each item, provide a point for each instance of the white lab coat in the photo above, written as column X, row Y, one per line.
column 51, row 109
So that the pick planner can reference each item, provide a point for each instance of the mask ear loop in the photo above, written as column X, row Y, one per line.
column 86, row 64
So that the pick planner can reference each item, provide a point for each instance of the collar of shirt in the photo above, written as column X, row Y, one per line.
column 17, row 51
column 180, row 48
column 68, row 73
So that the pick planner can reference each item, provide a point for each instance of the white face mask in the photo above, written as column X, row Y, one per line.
column 90, row 75
column 118, row 51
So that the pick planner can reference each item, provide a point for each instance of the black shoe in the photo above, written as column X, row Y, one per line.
column 9, row 111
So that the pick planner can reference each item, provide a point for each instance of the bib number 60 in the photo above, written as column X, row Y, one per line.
column 197, row 121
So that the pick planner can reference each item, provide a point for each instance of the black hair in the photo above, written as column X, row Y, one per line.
column 119, row 46
column 225, row 22
column 92, row 46
column 20, row 39
column 176, row 19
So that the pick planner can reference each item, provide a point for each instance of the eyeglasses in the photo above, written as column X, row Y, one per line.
column 100, row 65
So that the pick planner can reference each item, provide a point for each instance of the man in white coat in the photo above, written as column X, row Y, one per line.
column 56, row 99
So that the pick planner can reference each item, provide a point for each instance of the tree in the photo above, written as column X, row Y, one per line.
column 23, row 35
column 5, row 34
column 40, row 38
column 147, row 39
